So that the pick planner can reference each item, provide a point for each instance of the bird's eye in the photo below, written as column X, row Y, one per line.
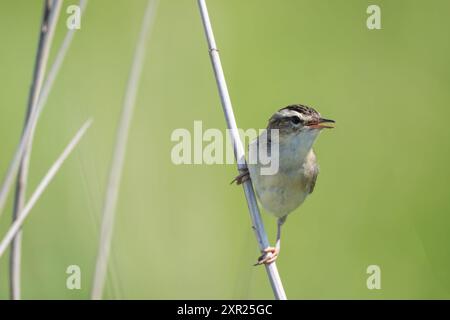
column 295, row 120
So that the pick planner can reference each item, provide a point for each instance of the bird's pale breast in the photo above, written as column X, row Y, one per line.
column 284, row 191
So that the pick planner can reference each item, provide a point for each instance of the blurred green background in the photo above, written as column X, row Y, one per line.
column 182, row 231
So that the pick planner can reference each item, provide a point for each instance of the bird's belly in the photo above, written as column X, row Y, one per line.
column 280, row 193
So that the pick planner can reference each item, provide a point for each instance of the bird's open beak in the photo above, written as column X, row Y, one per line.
column 322, row 124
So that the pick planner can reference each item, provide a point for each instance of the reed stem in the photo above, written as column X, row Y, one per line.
column 258, row 226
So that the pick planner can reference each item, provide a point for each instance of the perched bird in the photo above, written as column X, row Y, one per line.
column 284, row 191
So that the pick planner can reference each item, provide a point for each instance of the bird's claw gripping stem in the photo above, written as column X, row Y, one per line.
column 270, row 255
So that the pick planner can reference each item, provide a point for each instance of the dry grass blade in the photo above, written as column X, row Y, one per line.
column 17, row 225
column 115, row 173
column 258, row 227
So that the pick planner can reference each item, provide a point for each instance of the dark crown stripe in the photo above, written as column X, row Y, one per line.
column 301, row 109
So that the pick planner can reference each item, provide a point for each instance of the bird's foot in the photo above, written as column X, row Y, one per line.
column 270, row 255
column 242, row 177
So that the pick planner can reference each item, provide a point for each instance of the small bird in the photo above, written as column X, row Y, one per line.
column 281, row 193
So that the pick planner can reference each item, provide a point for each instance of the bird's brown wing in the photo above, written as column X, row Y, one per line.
column 314, row 178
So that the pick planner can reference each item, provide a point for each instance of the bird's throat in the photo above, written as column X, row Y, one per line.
column 294, row 149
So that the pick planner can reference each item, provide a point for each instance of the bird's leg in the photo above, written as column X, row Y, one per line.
column 271, row 253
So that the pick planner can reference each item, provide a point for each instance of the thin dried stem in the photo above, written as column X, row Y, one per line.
column 258, row 227
column 50, row 17
column 46, row 88
column 49, row 20
column 115, row 173
column 17, row 224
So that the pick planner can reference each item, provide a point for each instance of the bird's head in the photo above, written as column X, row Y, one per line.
column 298, row 126
column 298, row 119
